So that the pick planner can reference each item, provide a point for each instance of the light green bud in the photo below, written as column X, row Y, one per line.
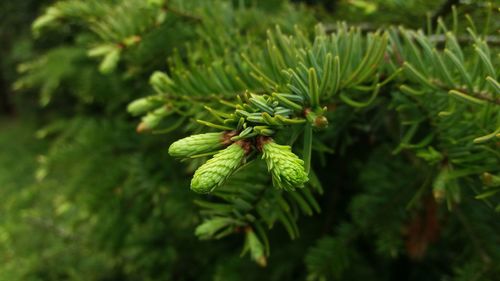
column 51, row 15
column 256, row 248
column 143, row 105
column 101, row 50
column 110, row 61
column 196, row 144
column 286, row 168
column 216, row 170
column 161, row 82
column 152, row 119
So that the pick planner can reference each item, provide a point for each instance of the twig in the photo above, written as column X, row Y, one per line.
column 439, row 39
column 478, row 95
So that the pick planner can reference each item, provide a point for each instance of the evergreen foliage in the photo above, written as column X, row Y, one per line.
column 366, row 132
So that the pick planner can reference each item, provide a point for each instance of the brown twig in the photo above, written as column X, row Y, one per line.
column 439, row 39
column 478, row 95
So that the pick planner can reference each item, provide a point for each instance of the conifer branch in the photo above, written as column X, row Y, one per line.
column 276, row 101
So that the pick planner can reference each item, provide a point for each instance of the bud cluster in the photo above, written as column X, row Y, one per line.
column 286, row 168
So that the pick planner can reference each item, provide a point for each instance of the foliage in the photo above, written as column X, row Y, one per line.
column 373, row 148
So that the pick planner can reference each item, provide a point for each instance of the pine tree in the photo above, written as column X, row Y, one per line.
column 372, row 146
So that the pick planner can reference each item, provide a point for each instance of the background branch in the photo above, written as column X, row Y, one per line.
column 443, row 11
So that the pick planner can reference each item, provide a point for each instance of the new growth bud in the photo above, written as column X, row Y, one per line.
column 152, row 119
column 143, row 105
column 286, row 168
column 196, row 144
column 216, row 170
column 110, row 61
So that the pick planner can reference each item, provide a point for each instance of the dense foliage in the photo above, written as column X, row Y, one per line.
column 324, row 140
